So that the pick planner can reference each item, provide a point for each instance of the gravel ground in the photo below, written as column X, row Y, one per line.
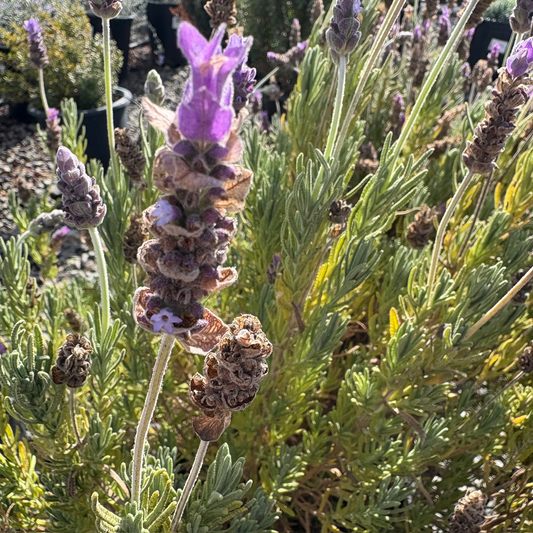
column 29, row 171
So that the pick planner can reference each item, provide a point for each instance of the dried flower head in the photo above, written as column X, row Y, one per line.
column 476, row 17
column 106, row 9
column 38, row 52
column 82, row 203
column 73, row 362
column 46, row 222
column 463, row 50
column 339, row 212
column 134, row 237
column 74, row 320
column 482, row 75
column 343, row 34
column 469, row 513
column 231, row 376
column 154, row 88
column 221, row 12
column 525, row 361
column 500, row 113
column 419, row 231
column 523, row 294
column 430, row 9
column 53, row 130
column 130, row 153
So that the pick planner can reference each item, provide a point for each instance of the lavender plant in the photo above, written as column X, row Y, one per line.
column 371, row 358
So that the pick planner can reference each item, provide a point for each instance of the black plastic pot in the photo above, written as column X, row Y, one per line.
column 95, row 122
column 19, row 111
column 483, row 38
column 165, row 25
column 121, row 33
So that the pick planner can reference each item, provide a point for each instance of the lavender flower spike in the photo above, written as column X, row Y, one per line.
column 243, row 77
column 343, row 34
column 81, row 196
column 522, row 59
column 205, row 113
column 38, row 52
column 106, row 9
column 444, row 27
column 154, row 88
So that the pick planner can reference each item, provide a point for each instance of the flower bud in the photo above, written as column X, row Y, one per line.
column 46, row 222
column 82, row 203
column 154, row 88
column 343, row 33
column 106, row 9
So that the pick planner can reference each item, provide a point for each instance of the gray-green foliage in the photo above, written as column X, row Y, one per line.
column 378, row 409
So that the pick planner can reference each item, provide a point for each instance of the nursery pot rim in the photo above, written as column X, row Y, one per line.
column 124, row 100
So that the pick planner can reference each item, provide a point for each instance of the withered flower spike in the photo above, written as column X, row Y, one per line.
column 231, row 376
column 469, row 513
column 73, row 362
column 130, row 154
column 221, row 12
column 525, row 361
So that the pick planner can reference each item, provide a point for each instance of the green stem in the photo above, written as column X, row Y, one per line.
column 337, row 108
column 167, row 342
column 380, row 39
column 43, row 92
column 73, row 415
column 109, row 97
column 501, row 304
column 102, row 275
column 510, row 46
column 442, row 60
column 189, row 484
column 441, row 232
column 266, row 78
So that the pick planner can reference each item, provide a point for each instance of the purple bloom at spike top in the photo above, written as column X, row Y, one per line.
column 38, row 50
column 243, row 77
column 522, row 59
column 205, row 113
column 493, row 57
column 444, row 27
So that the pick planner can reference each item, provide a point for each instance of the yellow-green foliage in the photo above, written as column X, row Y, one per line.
column 21, row 494
column 76, row 60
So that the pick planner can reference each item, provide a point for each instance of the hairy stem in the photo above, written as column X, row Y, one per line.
column 72, row 400
column 441, row 232
column 380, row 39
column 43, row 92
column 102, row 275
column 167, row 342
column 109, row 97
column 189, row 484
column 442, row 60
column 337, row 108
column 501, row 304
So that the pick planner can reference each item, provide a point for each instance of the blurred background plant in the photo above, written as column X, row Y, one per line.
column 76, row 63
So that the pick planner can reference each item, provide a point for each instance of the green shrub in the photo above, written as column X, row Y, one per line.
column 76, row 64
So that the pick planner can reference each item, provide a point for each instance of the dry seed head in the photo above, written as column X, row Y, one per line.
column 221, row 12
column 73, row 361
column 469, row 513
column 130, row 154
